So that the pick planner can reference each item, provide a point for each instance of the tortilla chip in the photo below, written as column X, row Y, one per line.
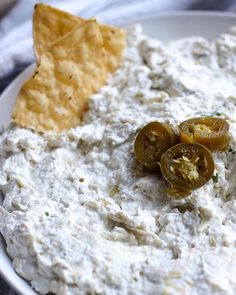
column 50, row 24
column 72, row 69
column 114, row 43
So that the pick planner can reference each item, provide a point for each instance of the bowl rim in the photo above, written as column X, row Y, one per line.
column 185, row 13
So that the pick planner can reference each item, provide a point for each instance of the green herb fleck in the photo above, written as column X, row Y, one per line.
column 215, row 178
column 218, row 114
column 228, row 197
column 46, row 213
column 212, row 241
column 232, row 151
column 114, row 190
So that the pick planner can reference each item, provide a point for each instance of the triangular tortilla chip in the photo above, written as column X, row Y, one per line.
column 72, row 68
column 50, row 24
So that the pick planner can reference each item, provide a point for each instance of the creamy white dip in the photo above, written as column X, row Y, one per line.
column 81, row 216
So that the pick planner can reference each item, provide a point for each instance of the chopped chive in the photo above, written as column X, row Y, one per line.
column 227, row 197
column 46, row 213
column 215, row 178
column 114, row 190
column 218, row 114
column 232, row 151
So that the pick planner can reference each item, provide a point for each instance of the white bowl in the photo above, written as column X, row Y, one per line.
column 167, row 26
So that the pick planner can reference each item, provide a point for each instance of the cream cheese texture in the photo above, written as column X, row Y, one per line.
column 81, row 216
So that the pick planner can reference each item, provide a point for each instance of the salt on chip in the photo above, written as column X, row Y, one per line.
column 50, row 23
column 69, row 71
